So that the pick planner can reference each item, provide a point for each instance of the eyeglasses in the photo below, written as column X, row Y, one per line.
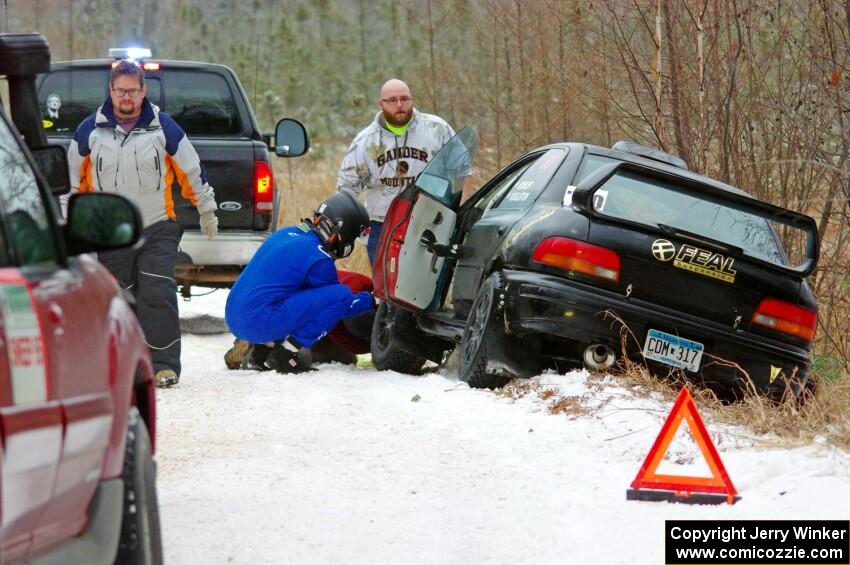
column 133, row 92
column 395, row 100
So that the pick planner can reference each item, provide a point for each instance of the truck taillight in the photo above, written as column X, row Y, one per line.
column 263, row 187
column 786, row 318
column 579, row 257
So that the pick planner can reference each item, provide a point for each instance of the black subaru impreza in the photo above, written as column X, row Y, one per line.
column 576, row 255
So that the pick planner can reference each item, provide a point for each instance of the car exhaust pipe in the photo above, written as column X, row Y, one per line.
column 599, row 357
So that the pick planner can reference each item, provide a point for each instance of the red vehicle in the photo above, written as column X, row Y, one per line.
column 77, row 407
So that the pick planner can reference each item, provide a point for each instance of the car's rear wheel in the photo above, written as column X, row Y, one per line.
column 387, row 354
column 481, row 337
column 141, row 541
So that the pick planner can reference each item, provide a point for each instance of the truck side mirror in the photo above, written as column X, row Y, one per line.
column 291, row 138
column 52, row 162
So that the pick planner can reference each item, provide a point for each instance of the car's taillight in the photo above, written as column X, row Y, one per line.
column 786, row 318
column 385, row 269
column 263, row 187
column 577, row 256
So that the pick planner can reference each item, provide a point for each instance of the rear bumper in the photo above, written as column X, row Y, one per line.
column 216, row 262
column 544, row 304
column 227, row 249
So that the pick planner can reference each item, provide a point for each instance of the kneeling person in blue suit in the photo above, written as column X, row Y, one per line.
column 290, row 294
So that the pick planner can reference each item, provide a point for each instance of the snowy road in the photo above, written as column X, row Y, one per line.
column 347, row 465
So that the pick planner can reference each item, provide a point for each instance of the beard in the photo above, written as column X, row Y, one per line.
column 126, row 109
column 398, row 117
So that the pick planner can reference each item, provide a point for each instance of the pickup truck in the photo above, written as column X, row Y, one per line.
column 209, row 103
column 77, row 402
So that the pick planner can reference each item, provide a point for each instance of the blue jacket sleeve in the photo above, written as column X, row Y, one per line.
column 361, row 302
column 322, row 273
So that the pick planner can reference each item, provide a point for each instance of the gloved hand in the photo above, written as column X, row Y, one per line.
column 209, row 224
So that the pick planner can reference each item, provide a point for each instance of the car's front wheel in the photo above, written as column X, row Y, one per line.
column 387, row 353
column 483, row 339
column 141, row 541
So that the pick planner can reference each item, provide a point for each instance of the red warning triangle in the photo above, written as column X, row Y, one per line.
column 648, row 478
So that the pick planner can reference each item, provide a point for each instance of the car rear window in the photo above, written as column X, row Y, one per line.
column 629, row 196
column 67, row 97
column 200, row 101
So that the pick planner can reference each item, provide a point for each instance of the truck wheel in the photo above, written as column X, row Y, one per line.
column 141, row 541
column 481, row 336
column 386, row 352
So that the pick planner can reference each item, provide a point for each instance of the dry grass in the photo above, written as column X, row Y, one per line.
column 822, row 414
column 823, row 418
column 555, row 403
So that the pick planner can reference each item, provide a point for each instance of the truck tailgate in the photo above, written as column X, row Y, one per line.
column 229, row 164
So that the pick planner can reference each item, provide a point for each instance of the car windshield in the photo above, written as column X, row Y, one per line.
column 443, row 177
column 632, row 197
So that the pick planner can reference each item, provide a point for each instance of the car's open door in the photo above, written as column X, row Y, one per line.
column 419, row 226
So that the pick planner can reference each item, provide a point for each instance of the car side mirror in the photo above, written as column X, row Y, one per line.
column 268, row 136
column 582, row 196
column 52, row 162
column 291, row 138
column 101, row 222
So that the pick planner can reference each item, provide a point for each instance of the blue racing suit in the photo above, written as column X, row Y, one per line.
column 290, row 288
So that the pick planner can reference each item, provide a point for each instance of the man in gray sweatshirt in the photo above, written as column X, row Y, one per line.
column 389, row 153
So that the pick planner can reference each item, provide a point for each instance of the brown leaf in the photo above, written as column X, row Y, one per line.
column 835, row 77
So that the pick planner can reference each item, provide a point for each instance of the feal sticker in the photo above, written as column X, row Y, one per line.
column 24, row 345
column 696, row 260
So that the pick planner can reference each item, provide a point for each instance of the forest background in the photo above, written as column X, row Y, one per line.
column 754, row 93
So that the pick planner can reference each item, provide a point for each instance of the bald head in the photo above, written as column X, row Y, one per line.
column 396, row 102
column 394, row 87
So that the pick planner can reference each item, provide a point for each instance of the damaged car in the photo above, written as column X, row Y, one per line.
column 577, row 255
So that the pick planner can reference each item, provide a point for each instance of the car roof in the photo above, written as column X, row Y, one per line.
column 651, row 163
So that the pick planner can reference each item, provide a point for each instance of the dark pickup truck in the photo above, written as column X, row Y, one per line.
column 210, row 104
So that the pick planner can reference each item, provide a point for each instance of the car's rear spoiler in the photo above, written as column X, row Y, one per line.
column 582, row 198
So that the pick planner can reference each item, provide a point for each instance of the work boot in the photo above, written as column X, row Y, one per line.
column 166, row 378
column 257, row 358
column 234, row 356
column 289, row 356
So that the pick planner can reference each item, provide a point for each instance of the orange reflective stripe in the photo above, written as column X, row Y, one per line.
column 185, row 188
column 86, row 184
column 167, row 182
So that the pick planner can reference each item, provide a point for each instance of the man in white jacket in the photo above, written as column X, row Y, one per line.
column 128, row 146
column 389, row 154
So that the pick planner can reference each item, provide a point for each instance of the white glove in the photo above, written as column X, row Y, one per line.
column 209, row 224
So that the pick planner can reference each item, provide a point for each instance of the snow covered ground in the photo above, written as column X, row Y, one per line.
column 347, row 465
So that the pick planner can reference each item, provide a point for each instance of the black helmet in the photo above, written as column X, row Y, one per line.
column 339, row 220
